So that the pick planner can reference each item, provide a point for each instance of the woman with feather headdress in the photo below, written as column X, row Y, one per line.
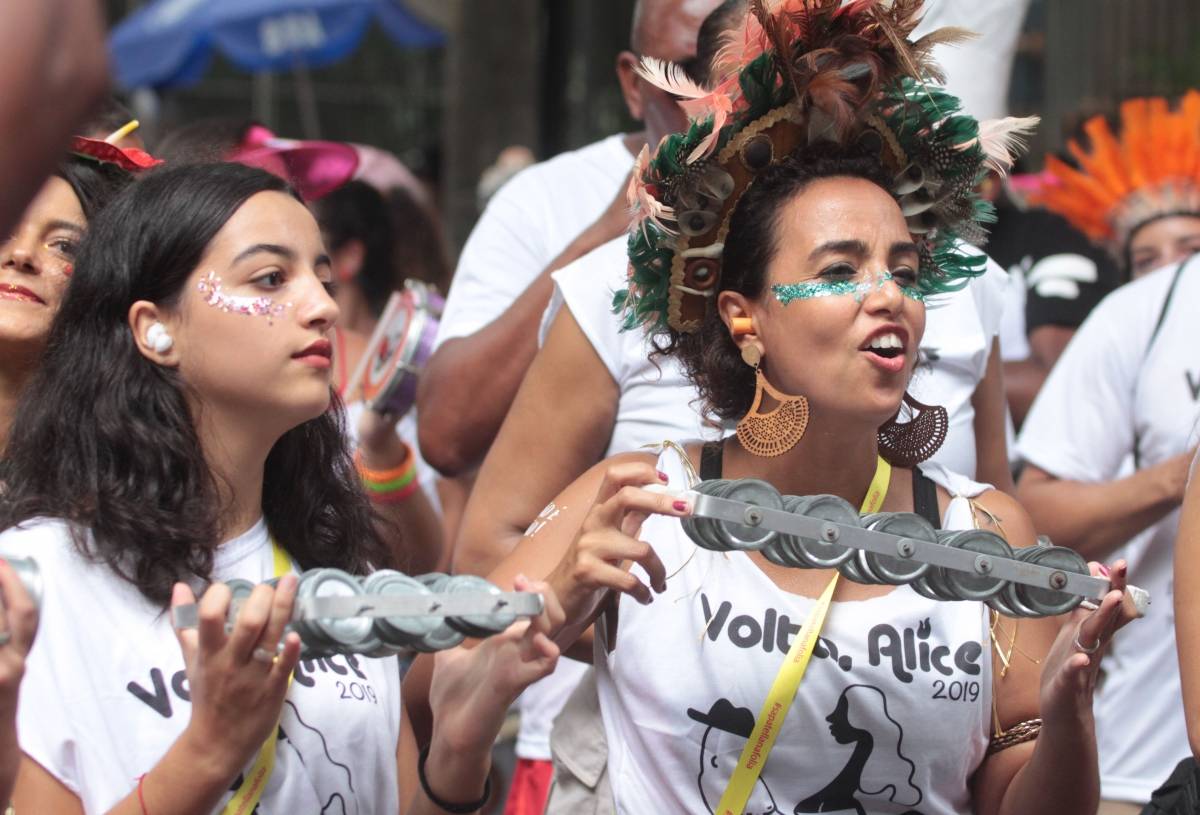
column 787, row 245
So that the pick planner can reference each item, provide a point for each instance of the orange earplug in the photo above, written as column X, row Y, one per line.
column 742, row 326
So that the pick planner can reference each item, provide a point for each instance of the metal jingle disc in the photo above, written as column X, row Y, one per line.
column 30, row 574
column 1001, row 603
column 758, row 493
column 782, row 550
column 1010, row 595
column 239, row 589
column 345, row 634
column 825, row 554
column 443, row 636
column 896, row 571
column 399, row 632
column 1049, row 602
column 973, row 585
column 478, row 625
column 851, row 569
column 702, row 533
column 921, row 586
column 932, row 583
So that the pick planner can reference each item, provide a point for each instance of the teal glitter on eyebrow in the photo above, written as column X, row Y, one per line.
column 785, row 293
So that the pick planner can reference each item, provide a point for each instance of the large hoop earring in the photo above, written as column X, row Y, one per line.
column 907, row 444
column 775, row 432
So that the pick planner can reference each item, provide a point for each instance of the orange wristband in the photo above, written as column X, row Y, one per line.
column 383, row 476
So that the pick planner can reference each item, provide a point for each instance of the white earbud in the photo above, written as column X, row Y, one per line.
column 158, row 338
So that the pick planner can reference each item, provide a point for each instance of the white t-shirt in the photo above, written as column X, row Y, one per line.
column 657, row 402
column 1113, row 394
column 959, row 331
column 681, row 690
column 526, row 225
column 105, row 693
column 977, row 71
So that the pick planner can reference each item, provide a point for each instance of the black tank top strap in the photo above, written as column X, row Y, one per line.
column 711, row 457
column 925, row 500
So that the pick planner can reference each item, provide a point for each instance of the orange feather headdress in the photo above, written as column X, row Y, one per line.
column 1151, row 171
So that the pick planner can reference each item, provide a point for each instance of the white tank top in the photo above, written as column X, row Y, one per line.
column 893, row 715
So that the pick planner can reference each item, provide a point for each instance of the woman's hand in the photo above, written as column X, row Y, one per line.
column 382, row 449
column 596, row 560
column 470, row 694
column 472, row 688
column 18, row 625
column 1069, row 672
column 237, row 680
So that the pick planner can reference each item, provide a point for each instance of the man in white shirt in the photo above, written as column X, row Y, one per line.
column 1128, row 384
column 545, row 217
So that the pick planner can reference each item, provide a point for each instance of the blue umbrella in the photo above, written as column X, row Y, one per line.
column 169, row 43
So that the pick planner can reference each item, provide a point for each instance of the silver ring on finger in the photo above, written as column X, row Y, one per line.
column 264, row 655
column 1089, row 651
column 5, row 638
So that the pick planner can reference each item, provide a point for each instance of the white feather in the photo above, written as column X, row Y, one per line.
column 1002, row 139
column 669, row 77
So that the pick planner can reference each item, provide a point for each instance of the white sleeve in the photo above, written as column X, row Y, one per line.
column 586, row 287
column 989, row 290
column 50, row 689
column 504, row 254
column 1081, row 426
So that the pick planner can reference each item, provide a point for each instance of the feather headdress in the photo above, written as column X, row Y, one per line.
column 1151, row 171
column 795, row 73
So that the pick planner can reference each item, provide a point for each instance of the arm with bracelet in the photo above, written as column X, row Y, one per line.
column 407, row 519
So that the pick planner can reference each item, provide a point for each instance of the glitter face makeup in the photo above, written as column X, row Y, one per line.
column 787, row 292
column 210, row 288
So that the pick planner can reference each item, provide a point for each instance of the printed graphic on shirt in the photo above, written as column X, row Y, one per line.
column 728, row 728
column 876, row 768
column 303, row 751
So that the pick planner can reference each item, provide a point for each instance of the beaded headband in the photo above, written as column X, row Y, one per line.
column 795, row 74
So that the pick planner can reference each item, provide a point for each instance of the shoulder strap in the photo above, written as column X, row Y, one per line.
column 925, row 502
column 1158, row 324
column 711, row 458
column 1162, row 314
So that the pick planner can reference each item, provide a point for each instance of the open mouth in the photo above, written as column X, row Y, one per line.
column 888, row 345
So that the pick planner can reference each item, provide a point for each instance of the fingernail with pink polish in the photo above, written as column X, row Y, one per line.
column 680, row 506
column 1104, row 570
column 662, row 476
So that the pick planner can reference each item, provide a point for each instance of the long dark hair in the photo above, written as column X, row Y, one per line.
column 94, row 183
column 104, row 437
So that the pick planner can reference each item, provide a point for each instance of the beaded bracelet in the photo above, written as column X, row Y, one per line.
column 1017, row 734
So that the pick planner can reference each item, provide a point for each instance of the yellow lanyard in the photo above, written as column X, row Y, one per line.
column 787, row 681
column 254, row 783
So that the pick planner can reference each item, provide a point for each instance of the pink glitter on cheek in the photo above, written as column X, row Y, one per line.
column 210, row 288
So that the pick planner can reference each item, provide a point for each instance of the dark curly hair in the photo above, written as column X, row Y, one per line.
column 104, row 437
column 709, row 356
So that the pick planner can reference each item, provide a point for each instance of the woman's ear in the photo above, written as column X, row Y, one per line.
column 152, row 333
column 737, row 314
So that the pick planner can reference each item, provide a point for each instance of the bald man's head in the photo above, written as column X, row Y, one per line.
column 668, row 29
